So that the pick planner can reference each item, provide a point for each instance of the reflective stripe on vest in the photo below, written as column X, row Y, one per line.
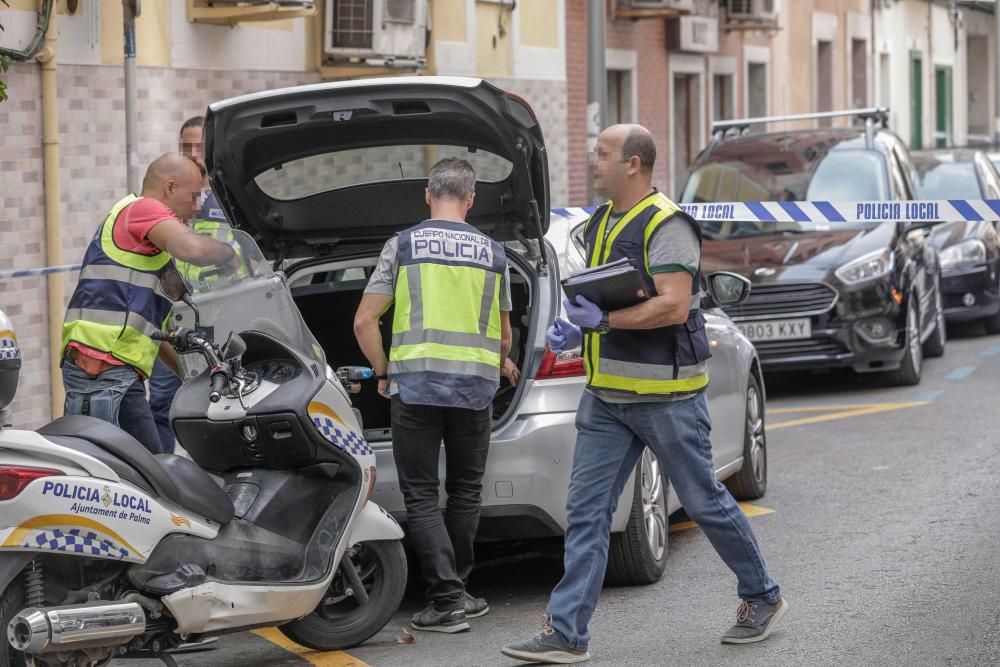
column 446, row 319
column 630, row 370
column 117, row 304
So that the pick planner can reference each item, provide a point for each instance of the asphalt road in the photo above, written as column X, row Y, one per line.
column 884, row 538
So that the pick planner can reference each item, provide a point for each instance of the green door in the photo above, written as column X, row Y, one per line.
column 942, row 92
column 916, row 104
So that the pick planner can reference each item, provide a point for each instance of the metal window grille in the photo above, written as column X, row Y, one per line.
column 352, row 24
column 740, row 7
column 400, row 11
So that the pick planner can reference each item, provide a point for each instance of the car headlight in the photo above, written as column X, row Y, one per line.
column 867, row 267
column 972, row 251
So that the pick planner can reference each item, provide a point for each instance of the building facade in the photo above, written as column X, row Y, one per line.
column 937, row 70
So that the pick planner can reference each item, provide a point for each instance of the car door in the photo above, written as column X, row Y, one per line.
column 727, row 387
column 916, row 255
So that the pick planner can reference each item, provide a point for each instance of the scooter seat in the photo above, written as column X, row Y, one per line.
column 174, row 478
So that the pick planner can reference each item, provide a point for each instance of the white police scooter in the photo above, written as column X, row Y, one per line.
column 107, row 550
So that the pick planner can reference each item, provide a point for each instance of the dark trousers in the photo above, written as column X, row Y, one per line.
column 444, row 545
column 118, row 396
column 163, row 384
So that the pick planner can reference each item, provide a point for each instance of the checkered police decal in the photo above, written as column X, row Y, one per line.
column 349, row 441
column 9, row 349
column 75, row 540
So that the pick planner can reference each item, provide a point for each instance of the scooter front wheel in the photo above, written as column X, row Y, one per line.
column 342, row 619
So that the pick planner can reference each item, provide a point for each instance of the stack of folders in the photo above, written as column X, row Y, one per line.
column 611, row 286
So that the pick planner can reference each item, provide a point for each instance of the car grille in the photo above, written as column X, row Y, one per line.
column 784, row 299
column 781, row 349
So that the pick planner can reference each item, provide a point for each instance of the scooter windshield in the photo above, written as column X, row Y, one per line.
column 237, row 298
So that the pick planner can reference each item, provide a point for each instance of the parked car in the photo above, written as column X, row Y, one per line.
column 322, row 175
column 840, row 294
column 969, row 251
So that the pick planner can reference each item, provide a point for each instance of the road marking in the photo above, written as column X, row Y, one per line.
column 322, row 658
column 960, row 373
column 928, row 395
column 845, row 411
column 992, row 351
column 748, row 509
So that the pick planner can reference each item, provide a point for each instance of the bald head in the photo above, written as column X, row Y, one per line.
column 167, row 166
column 175, row 180
column 624, row 159
column 635, row 141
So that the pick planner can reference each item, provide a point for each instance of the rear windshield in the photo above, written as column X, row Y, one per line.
column 357, row 166
column 944, row 180
column 839, row 176
column 844, row 175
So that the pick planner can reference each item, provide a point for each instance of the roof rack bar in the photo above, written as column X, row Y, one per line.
column 880, row 114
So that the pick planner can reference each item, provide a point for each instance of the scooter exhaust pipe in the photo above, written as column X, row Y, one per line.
column 41, row 630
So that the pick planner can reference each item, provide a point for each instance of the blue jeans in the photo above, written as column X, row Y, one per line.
column 610, row 440
column 118, row 396
column 163, row 384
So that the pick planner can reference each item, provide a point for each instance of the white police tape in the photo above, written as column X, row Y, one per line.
column 824, row 212
column 821, row 213
column 43, row 271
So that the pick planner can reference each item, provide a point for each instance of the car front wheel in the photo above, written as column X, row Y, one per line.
column 908, row 373
column 638, row 555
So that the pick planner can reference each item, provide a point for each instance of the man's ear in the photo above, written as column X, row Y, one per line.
column 427, row 196
column 634, row 165
column 169, row 185
column 469, row 201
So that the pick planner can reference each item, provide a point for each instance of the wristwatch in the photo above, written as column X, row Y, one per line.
column 603, row 326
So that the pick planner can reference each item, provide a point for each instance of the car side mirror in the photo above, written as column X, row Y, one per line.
column 725, row 289
column 915, row 225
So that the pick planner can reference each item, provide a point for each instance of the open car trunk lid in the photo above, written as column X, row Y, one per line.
column 310, row 169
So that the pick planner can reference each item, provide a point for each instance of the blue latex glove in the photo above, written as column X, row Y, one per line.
column 583, row 313
column 563, row 336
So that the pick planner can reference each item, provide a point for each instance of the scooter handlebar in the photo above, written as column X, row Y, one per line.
column 218, row 385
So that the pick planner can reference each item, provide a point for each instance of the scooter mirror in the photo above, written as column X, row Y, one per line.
column 235, row 347
column 172, row 286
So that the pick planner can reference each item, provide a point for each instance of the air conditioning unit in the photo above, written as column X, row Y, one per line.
column 752, row 10
column 391, row 33
column 678, row 5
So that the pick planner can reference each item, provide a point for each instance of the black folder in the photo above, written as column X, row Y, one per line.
column 611, row 286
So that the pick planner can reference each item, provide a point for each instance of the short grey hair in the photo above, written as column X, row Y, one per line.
column 640, row 144
column 452, row 178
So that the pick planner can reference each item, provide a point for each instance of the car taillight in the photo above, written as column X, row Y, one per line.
column 566, row 364
column 13, row 479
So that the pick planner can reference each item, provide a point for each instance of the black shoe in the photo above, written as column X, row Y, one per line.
column 432, row 620
column 474, row 607
column 755, row 621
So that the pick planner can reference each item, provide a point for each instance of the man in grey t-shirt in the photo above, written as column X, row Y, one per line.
column 646, row 377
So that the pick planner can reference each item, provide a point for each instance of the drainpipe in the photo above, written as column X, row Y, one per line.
column 996, row 72
column 130, row 9
column 53, row 219
column 597, row 83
